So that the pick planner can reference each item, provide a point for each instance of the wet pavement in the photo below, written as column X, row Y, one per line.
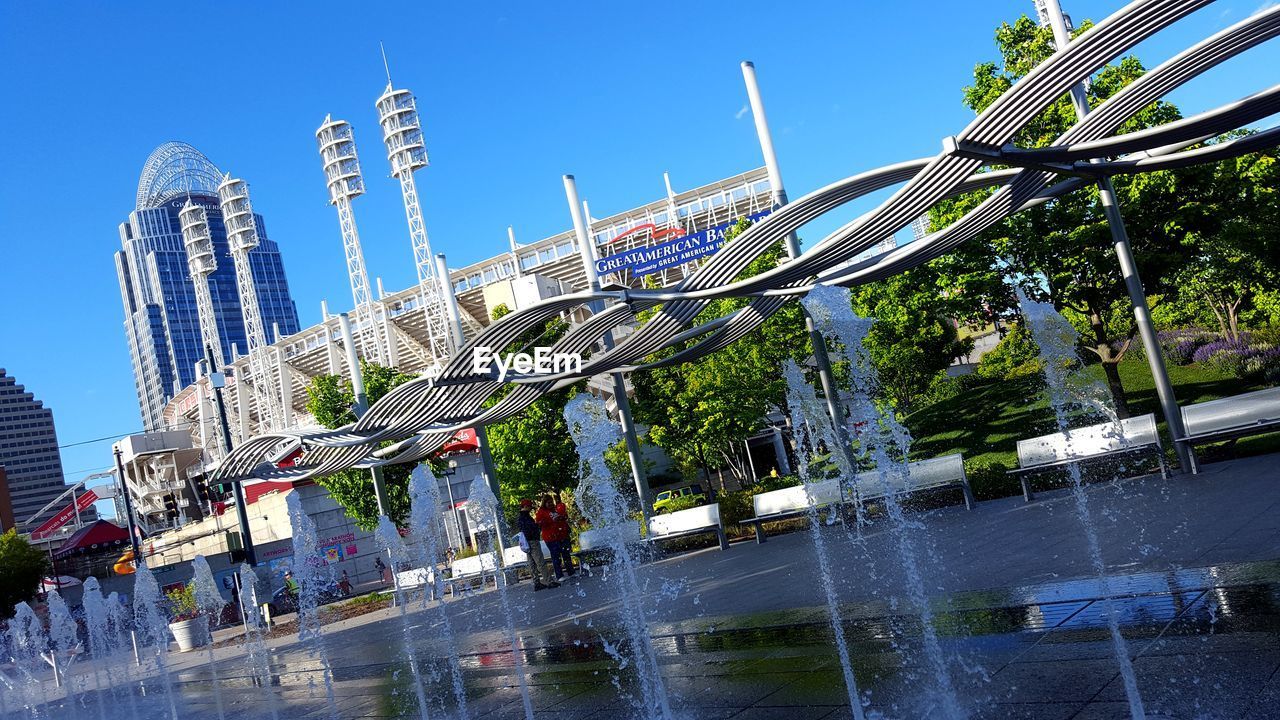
column 1193, row 570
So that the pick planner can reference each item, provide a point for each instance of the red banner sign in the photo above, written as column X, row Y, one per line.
column 462, row 441
column 62, row 518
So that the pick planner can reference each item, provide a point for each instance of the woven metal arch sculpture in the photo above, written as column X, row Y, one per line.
column 419, row 416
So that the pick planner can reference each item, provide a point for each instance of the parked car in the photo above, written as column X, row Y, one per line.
column 662, row 503
column 283, row 601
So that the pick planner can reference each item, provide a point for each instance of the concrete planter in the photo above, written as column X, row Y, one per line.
column 191, row 633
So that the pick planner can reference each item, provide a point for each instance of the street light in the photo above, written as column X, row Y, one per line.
column 453, row 505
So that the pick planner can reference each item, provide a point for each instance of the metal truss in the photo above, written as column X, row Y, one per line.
column 201, row 262
column 421, row 415
column 175, row 169
column 337, row 146
column 402, row 134
column 242, row 237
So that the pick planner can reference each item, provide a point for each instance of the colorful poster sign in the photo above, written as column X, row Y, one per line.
column 656, row 258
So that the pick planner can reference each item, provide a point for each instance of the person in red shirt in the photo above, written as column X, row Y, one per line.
column 562, row 536
column 550, row 522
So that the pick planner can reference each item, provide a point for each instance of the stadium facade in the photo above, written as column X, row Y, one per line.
column 160, row 315
column 523, row 275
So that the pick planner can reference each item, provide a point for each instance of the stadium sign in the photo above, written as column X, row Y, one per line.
column 656, row 258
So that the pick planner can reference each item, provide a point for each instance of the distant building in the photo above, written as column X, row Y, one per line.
column 31, row 472
column 6, row 504
column 160, row 318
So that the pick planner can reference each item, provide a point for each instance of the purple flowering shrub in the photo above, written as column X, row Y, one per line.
column 1180, row 345
column 1240, row 358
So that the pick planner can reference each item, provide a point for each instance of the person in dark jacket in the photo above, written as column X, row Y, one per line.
column 532, row 536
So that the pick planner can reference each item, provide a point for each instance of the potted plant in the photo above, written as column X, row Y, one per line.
column 188, row 625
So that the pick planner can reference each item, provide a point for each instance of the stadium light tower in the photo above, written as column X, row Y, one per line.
column 402, row 134
column 337, row 147
column 201, row 262
column 242, row 236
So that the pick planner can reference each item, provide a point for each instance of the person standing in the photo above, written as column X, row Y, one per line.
column 546, row 518
column 532, row 535
column 345, row 584
column 553, row 520
column 383, row 573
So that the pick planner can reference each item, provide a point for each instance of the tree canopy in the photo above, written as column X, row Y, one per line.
column 21, row 568
column 700, row 412
column 331, row 401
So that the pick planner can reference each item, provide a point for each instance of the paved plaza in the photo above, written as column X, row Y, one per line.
column 1193, row 565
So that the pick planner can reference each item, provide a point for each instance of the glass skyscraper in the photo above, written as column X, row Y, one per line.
column 160, row 319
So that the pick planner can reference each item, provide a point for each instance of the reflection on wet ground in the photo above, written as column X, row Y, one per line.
column 1205, row 643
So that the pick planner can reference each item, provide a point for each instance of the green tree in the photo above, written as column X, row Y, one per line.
column 1232, row 240
column 700, row 412
column 331, row 401
column 912, row 340
column 1061, row 251
column 21, row 567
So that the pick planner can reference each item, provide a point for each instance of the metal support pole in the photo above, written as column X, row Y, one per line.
column 619, row 384
column 491, row 477
column 820, row 357
column 450, row 302
column 237, row 487
column 1128, row 267
column 128, row 506
column 482, row 437
column 362, row 405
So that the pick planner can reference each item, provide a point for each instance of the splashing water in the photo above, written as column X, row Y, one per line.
column 803, row 403
column 1069, row 386
column 307, row 573
column 97, row 620
column 424, row 498
column 62, row 644
column 388, row 538
column 593, row 434
column 26, row 642
column 481, row 498
column 258, row 659
column 210, row 602
column 153, row 627
column 887, row 442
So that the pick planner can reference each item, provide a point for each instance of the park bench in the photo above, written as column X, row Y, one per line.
column 1135, row 434
column 1229, row 418
column 694, row 521
column 465, row 570
column 935, row 473
column 594, row 547
column 418, row 578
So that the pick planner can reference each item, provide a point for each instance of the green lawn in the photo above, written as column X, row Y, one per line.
column 986, row 422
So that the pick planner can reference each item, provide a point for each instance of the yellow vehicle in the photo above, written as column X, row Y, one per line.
column 662, row 503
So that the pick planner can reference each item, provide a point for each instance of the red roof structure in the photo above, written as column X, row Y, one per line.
column 253, row 491
column 101, row 535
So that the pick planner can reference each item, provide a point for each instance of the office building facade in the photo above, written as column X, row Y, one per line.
column 161, row 323
column 32, row 466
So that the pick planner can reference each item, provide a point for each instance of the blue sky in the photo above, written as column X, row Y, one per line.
column 512, row 96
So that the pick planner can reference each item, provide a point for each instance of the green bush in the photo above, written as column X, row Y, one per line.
column 684, row 502
column 735, row 507
column 1016, row 355
column 988, row 478
column 182, row 603
column 771, row 483
column 941, row 389
column 371, row 598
